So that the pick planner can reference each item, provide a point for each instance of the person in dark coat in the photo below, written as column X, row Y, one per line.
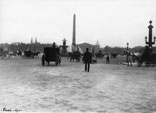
column 107, row 59
column 87, row 59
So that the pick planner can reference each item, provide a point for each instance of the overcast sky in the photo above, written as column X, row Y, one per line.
column 111, row 22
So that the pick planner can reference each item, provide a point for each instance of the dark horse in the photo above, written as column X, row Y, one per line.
column 99, row 54
column 30, row 54
column 114, row 55
column 75, row 56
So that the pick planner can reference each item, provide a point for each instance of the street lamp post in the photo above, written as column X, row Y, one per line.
column 149, row 42
column 127, row 51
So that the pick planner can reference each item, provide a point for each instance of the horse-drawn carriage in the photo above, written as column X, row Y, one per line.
column 29, row 54
column 75, row 56
column 114, row 55
column 51, row 54
column 148, row 58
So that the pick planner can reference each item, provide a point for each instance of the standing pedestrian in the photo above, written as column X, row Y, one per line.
column 87, row 59
column 107, row 59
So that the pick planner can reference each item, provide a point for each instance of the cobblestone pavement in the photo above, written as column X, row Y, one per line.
column 27, row 86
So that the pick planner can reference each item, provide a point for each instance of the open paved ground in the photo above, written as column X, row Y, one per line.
column 27, row 86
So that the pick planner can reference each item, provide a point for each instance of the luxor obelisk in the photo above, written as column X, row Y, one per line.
column 74, row 33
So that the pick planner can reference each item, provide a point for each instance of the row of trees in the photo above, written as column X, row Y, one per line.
column 36, row 47
column 39, row 48
column 119, row 50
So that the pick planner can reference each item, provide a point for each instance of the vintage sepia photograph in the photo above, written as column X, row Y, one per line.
column 78, row 56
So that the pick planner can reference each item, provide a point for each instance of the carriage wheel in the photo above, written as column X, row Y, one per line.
column 138, row 64
column 59, row 61
column 48, row 63
column 43, row 60
column 147, row 64
column 78, row 59
column 32, row 56
column 56, row 63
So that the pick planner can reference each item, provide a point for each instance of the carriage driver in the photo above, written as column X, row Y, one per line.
column 54, row 45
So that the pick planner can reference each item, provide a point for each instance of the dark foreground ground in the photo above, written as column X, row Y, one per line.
column 27, row 86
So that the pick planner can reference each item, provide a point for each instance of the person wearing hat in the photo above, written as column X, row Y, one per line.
column 87, row 59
